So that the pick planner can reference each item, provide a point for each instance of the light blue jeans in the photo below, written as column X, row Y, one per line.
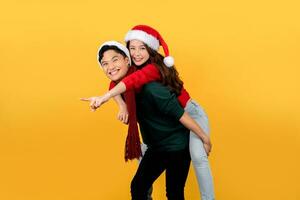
column 197, row 151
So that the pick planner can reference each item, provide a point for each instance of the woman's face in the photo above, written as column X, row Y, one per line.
column 138, row 52
column 114, row 65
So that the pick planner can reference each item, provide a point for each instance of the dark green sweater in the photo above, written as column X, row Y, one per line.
column 158, row 113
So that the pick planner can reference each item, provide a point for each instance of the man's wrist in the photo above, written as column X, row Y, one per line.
column 122, row 105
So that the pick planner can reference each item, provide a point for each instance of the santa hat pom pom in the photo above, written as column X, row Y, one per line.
column 169, row 61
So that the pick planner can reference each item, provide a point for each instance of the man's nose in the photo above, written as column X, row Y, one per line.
column 111, row 65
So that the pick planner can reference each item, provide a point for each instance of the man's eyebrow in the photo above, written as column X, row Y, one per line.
column 110, row 59
column 103, row 61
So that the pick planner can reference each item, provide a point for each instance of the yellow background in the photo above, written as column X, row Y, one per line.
column 238, row 59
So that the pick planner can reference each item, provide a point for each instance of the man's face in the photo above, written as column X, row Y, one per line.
column 114, row 65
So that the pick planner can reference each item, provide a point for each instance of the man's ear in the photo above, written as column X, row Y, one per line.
column 127, row 61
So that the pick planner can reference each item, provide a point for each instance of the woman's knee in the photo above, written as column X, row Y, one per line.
column 200, row 160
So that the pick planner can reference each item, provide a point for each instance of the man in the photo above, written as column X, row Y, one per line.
column 160, row 117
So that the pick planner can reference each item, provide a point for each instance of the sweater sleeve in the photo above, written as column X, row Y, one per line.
column 164, row 100
column 140, row 77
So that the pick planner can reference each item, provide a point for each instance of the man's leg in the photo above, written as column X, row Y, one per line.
column 144, row 149
column 176, row 173
column 150, row 168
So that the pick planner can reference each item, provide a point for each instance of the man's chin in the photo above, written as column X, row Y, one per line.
column 114, row 78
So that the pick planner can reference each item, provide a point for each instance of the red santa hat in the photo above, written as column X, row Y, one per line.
column 152, row 38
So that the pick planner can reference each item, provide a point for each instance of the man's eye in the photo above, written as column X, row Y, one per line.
column 115, row 60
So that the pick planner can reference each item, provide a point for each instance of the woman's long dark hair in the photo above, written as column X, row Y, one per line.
column 169, row 75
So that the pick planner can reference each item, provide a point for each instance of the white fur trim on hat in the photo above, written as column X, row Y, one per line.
column 118, row 45
column 169, row 61
column 148, row 39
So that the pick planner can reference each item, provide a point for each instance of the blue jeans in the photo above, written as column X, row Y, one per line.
column 197, row 151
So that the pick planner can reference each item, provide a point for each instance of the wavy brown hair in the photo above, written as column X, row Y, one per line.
column 169, row 75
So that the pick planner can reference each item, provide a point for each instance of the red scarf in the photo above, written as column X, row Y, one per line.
column 133, row 144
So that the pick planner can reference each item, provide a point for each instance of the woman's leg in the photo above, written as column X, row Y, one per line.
column 198, row 154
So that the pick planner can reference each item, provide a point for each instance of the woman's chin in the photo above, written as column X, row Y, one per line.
column 139, row 63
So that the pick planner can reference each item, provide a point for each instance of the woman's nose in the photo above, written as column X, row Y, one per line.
column 136, row 52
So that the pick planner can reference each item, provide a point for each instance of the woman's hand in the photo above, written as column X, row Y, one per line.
column 101, row 100
column 92, row 101
column 207, row 145
column 96, row 102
